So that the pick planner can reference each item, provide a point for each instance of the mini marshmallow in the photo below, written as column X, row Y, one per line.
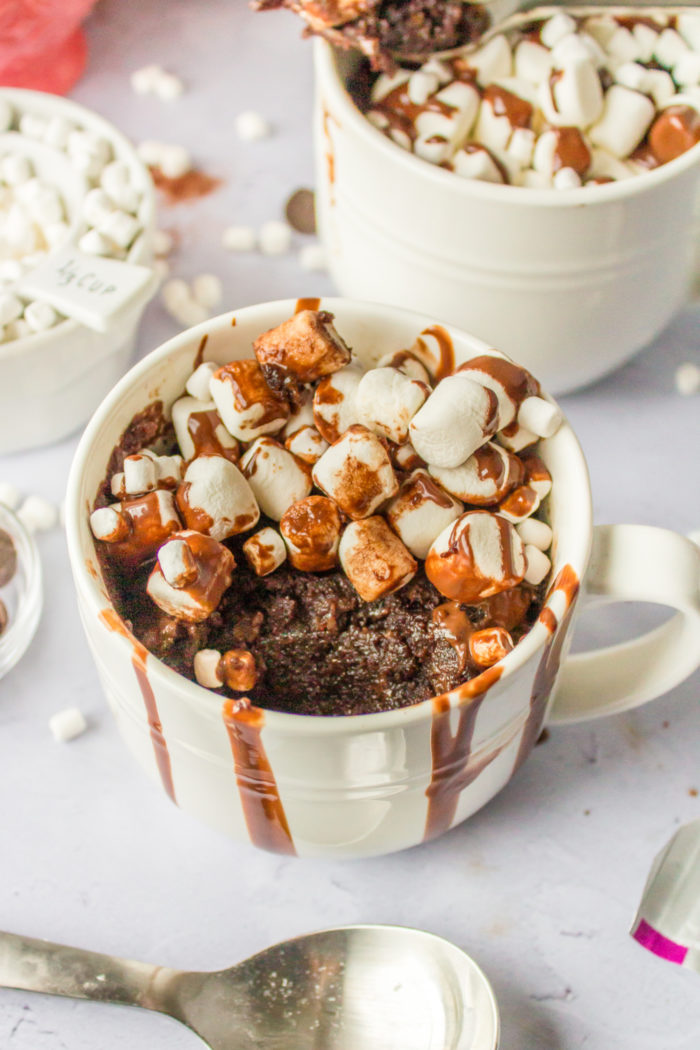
column 199, row 430
column 67, row 724
column 623, row 46
column 420, row 512
column 485, row 478
column 15, row 169
column 307, row 345
column 239, row 671
column 475, row 162
column 239, row 239
column 216, row 499
column 120, row 227
column 37, row 514
column 510, row 383
column 246, row 404
column 198, row 383
column 174, row 161
column 458, row 417
column 538, row 565
column 356, row 472
column 631, row 75
column 521, row 146
column 163, row 242
column 556, row 28
column 387, row 400
column 670, row 47
column 566, row 179
column 306, row 444
column 659, row 85
column 374, row 559
column 520, row 504
column 32, row 126
column 276, row 477
column 143, row 80
column 97, row 207
column 688, row 25
column 95, row 243
column 251, row 126
column 302, row 414
column 207, row 290
column 646, row 39
column 421, row 86
column 377, row 119
column 492, row 131
column 115, row 180
column 211, row 573
column 536, row 474
column 535, row 533
column 405, row 458
column 577, row 47
column 686, row 71
column 687, row 379
column 493, row 59
column 540, row 416
column 168, row 86
column 573, row 96
column 533, row 180
column 488, row 646
column 479, row 555
column 626, row 118
column 604, row 165
column 87, row 142
column 136, row 527
column 386, row 83
column 402, row 139
column 451, row 125
column 533, row 62
column 180, row 304
column 311, row 531
column 207, row 668
column 312, row 258
column 9, row 495
column 10, row 308
column 275, row 237
column 265, row 551
column 177, row 563
column 144, row 472
column 407, row 362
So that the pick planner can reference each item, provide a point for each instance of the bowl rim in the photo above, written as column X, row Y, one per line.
column 56, row 105
column 207, row 702
column 330, row 79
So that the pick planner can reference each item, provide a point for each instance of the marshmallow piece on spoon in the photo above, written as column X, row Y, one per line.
column 356, row 472
column 374, row 559
column 216, row 499
column 479, row 555
column 311, row 530
column 209, row 573
column 335, row 403
column 485, row 478
column 246, row 404
column 420, row 511
column 265, row 551
column 458, row 417
column 199, row 430
column 387, row 400
column 276, row 477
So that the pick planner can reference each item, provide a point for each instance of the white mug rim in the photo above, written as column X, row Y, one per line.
column 325, row 57
column 207, row 702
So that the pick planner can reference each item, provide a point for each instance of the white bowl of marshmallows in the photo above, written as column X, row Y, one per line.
column 77, row 216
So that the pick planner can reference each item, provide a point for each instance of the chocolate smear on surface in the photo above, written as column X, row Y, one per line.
column 8, row 558
column 190, row 186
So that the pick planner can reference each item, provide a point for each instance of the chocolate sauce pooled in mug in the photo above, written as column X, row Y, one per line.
column 329, row 540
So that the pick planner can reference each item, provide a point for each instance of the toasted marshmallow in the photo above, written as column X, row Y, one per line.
column 335, row 403
column 307, row 345
column 479, row 555
column 146, row 471
column 306, row 444
column 198, row 384
column 246, row 404
column 239, row 671
column 510, row 383
column 405, row 458
column 265, row 551
column 406, row 361
column 311, row 531
column 573, row 95
column 520, row 504
column 150, row 520
column 197, row 600
column 538, row 564
column 215, row 498
column 536, row 474
column 420, row 511
column 458, row 417
column 387, row 400
column 540, row 416
column 485, row 478
column 535, row 533
column 276, row 477
column 207, row 668
column 356, row 472
column 302, row 415
column 177, row 563
column 624, row 121
column 490, row 645
column 199, row 430
column 374, row 559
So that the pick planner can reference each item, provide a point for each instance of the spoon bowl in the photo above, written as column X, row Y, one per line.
column 369, row 987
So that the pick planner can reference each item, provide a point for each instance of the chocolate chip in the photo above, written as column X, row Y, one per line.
column 300, row 211
column 8, row 558
column 3, row 616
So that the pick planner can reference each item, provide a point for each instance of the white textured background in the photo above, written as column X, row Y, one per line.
column 541, row 886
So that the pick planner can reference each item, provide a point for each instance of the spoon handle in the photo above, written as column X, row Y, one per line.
column 39, row 966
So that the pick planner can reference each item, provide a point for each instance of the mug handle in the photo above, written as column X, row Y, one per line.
column 642, row 564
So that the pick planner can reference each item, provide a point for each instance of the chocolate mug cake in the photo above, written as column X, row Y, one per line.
column 326, row 540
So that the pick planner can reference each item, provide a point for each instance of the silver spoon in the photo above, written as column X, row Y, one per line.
column 353, row 988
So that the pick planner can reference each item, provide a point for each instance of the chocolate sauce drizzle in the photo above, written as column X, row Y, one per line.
column 307, row 304
column 568, row 583
column 453, row 767
column 446, row 364
column 262, row 807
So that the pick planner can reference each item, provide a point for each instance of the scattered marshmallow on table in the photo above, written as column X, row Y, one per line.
column 311, row 529
column 251, row 126
column 38, row 514
column 207, row 290
column 312, row 258
column 67, row 724
column 278, row 479
column 275, row 237
column 687, row 379
column 239, row 239
column 178, row 299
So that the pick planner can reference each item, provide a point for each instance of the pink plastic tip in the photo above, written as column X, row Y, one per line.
column 655, row 942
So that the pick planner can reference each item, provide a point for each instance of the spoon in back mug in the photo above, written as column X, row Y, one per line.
column 374, row 987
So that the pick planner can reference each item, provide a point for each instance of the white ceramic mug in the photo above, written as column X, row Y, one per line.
column 370, row 784
column 570, row 282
